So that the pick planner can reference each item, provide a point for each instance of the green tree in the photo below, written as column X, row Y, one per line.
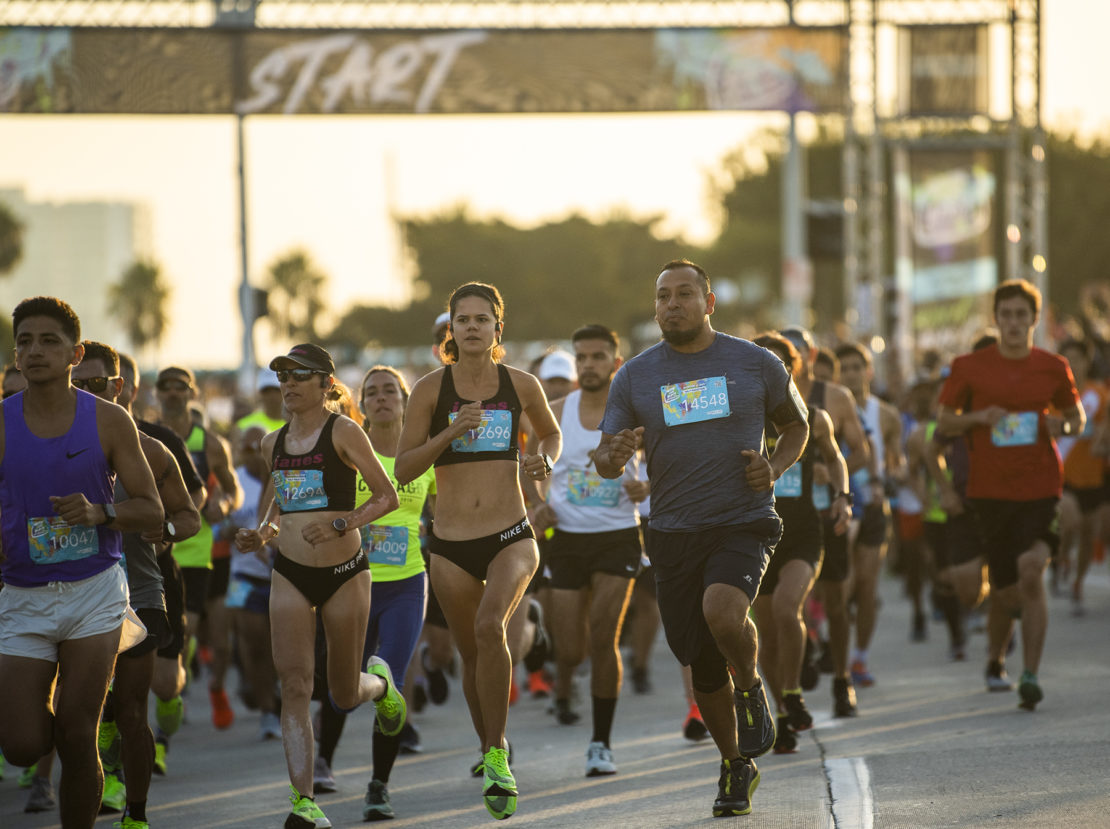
column 296, row 296
column 139, row 299
column 11, row 252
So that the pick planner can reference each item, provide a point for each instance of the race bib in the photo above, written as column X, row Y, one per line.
column 821, row 498
column 237, row 592
column 494, row 433
column 588, row 489
column 299, row 489
column 52, row 540
column 697, row 400
column 1016, row 429
column 789, row 484
column 385, row 545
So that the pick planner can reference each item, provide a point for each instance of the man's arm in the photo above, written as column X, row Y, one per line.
column 231, row 494
column 176, row 502
column 841, row 406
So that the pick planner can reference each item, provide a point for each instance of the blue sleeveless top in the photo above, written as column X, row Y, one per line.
column 38, row 545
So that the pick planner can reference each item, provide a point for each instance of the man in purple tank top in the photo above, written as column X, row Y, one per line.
column 64, row 599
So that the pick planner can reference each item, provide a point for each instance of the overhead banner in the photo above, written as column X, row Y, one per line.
column 944, row 70
column 210, row 72
column 955, row 265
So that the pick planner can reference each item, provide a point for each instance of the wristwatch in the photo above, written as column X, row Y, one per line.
column 340, row 525
column 169, row 531
column 546, row 463
column 109, row 514
column 845, row 495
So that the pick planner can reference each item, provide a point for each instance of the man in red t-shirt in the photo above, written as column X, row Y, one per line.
column 999, row 397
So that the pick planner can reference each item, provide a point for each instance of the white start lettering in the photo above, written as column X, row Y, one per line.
column 340, row 569
column 368, row 80
column 517, row 530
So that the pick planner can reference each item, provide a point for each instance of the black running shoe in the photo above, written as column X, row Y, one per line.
column 540, row 650
column 844, row 698
column 786, row 741
column 811, row 676
column 739, row 779
column 437, row 681
column 798, row 715
column 755, row 726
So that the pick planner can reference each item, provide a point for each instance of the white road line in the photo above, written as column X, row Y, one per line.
column 850, row 784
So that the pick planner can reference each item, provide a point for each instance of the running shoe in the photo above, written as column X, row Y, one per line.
column 739, row 779
column 811, row 676
column 27, row 776
column 1, row 765
column 270, row 727
column 755, row 726
column 160, row 758
column 786, row 741
column 499, row 786
column 694, row 728
column 114, row 798
column 478, row 768
column 798, row 715
column 860, row 675
column 437, row 679
column 391, row 705
column 130, row 823
column 996, row 677
column 377, row 806
column 538, row 686
column 41, row 798
column 418, row 696
column 222, row 715
column 641, row 683
column 1029, row 690
column 306, row 814
column 564, row 713
column 322, row 778
column 169, row 714
column 410, row 739
column 599, row 760
column 541, row 642
column 844, row 697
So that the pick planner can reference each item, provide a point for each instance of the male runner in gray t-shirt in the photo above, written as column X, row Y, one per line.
column 699, row 402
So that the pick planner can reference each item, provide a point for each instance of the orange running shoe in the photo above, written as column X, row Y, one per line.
column 222, row 715
column 538, row 686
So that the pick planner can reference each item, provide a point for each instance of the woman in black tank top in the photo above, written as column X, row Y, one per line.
column 321, row 568
column 464, row 420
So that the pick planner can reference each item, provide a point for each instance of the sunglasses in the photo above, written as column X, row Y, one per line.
column 298, row 375
column 93, row 384
column 172, row 385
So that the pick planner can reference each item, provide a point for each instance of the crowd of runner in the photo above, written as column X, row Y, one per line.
column 350, row 546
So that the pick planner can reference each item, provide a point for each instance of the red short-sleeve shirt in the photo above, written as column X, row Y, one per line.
column 1017, row 460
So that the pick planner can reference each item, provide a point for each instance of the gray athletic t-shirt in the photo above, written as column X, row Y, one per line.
column 699, row 411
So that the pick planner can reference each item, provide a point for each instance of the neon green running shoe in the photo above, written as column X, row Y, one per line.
column 391, row 705
column 160, row 759
column 27, row 776
column 130, row 823
column 306, row 814
column 169, row 715
column 114, row 798
column 499, row 786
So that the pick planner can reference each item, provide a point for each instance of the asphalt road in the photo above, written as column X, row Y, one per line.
column 930, row 748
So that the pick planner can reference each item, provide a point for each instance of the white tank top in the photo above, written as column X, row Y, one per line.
column 872, row 427
column 583, row 501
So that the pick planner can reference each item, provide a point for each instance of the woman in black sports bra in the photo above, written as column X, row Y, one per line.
column 321, row 566
column 464, row 418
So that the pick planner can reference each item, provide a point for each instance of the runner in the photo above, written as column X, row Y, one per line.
column 594, row 554
column 871, row 508
column 698, row 402
column 124, row 733
column 464, row 418
column 64, row 600
column 831, row 586
column 13, row 381
column 320, row 566
column 797, row 559
column 999, row 396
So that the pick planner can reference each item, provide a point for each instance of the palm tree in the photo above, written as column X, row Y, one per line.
column 140, row 299
column 296, row 296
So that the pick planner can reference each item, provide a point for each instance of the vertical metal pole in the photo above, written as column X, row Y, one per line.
column 797, row 278
column 246, row 293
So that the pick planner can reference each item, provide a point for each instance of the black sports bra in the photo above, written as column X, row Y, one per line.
column 316, row 481
column 495, row 439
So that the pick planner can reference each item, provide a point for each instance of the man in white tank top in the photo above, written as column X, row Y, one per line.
column 883, row 426
column 594, row 554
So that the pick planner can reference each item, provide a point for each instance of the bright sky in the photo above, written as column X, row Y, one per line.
column 329, row 184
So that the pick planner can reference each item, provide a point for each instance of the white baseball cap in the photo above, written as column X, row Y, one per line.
column 558, row 364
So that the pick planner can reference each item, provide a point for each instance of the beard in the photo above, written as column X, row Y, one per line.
column 678, row 336
column 592, row 382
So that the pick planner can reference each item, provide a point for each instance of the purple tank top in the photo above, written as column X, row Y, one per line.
column 38, row 546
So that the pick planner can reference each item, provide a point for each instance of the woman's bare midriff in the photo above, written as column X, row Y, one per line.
column 476, row 499
column 295, row 548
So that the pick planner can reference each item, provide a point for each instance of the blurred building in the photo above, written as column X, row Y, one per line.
column 75, row 250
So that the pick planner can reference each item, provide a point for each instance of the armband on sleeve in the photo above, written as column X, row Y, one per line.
column 793, row 409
